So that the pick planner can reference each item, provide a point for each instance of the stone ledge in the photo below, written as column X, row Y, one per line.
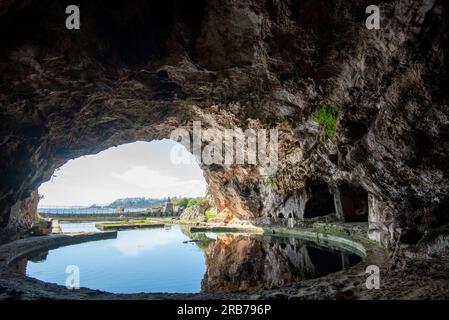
column 326, row 239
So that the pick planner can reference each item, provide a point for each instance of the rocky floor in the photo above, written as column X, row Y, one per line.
column 420, row 280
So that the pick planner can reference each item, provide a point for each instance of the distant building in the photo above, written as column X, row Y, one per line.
column 120, row 209
column 168, row 208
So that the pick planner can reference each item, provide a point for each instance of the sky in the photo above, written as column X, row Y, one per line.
column 139, row 169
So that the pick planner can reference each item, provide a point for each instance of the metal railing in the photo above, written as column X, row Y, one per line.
column 50, row 209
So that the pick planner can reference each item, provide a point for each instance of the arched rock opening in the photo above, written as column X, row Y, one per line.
column 354, row 202
column 320, row 202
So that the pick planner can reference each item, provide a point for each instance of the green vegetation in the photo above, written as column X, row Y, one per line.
column 269, row 181
column 193, row 202
column 129, row 225
column 189, row 202
column 181, row 202
column 375, row 243
column 211, row 213
column 177, row 220
column 323, row 228
column 327, row 116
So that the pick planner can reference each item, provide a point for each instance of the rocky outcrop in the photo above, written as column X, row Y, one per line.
column 137, row 71
column 194, row 212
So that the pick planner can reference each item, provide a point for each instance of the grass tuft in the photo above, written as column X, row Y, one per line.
column 327, row 117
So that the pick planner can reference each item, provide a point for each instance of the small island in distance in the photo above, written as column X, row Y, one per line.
column 142, row 202
column 138, row 202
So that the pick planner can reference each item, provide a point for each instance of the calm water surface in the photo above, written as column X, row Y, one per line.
column 172, row 260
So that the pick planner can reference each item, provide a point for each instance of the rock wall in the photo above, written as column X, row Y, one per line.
column 22, row 217
column 138, row 70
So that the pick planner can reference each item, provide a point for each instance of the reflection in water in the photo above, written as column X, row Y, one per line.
column 175, row 260
column 152, row 260
column 242, row 263
column 137, row 243
column 20, row 265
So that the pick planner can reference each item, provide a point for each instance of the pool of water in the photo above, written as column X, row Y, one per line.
column 172, row 259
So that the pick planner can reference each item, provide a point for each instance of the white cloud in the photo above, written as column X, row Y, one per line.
column 139, row 169
column 157, row 184
column 143, row 177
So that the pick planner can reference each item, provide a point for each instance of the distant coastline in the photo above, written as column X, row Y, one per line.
column 126, row 205
column 129, row 205
column 85, row 210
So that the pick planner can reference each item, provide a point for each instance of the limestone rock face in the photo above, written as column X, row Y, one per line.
column 41, row 228
column 381, row 222
column 22, row 216
column 194, row 212
column 138, row 70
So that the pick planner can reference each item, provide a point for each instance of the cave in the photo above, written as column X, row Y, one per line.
column 354, row 202
column 321, row 201
column 138, row 71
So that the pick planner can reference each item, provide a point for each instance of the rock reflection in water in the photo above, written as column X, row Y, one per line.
column 20, row 265
column 242, row 263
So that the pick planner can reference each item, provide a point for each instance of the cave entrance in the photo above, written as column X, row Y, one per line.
column 321, row 201
column 133, row 176
column 354, row 202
